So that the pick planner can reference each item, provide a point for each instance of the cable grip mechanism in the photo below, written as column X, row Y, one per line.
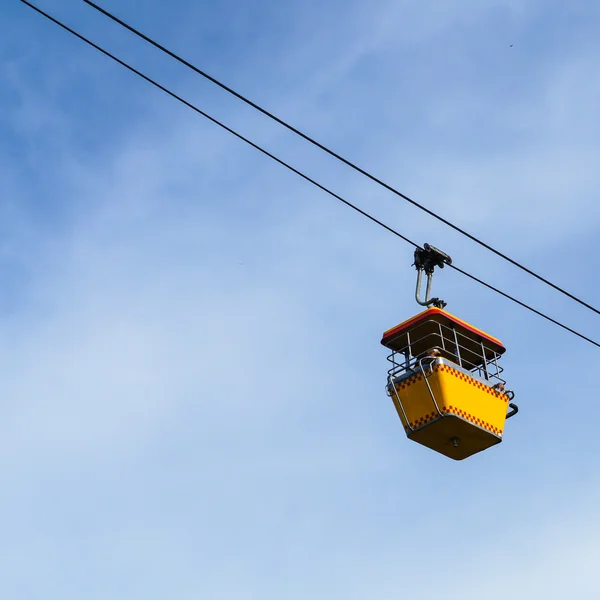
column 427, row 259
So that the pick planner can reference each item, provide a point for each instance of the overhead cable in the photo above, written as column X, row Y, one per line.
column 291, row 168
column 336, row 155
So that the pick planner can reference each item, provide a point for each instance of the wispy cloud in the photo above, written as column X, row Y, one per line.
column 192, row 386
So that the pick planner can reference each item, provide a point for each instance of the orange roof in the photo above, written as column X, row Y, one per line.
column 390, row 337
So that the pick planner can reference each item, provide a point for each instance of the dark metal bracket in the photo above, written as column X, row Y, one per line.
column 426, row 260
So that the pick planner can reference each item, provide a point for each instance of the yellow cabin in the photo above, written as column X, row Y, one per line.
column 446, row 384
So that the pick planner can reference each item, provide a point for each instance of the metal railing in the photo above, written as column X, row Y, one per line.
column 476, row 359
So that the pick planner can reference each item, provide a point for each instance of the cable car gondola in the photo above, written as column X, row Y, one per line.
column 446, row 380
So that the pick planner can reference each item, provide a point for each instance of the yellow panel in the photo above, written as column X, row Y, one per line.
column 471, row 414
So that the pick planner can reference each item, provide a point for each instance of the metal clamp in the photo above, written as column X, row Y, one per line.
column 426, row 259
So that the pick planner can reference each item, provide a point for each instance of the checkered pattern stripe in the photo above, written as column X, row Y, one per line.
column 410, row 381
column 422, row 421
column 451, row 410
column 475, row 420
column 472, row 381
column 447, row 369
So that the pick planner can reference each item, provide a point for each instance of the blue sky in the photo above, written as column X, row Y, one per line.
column 192, row 386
